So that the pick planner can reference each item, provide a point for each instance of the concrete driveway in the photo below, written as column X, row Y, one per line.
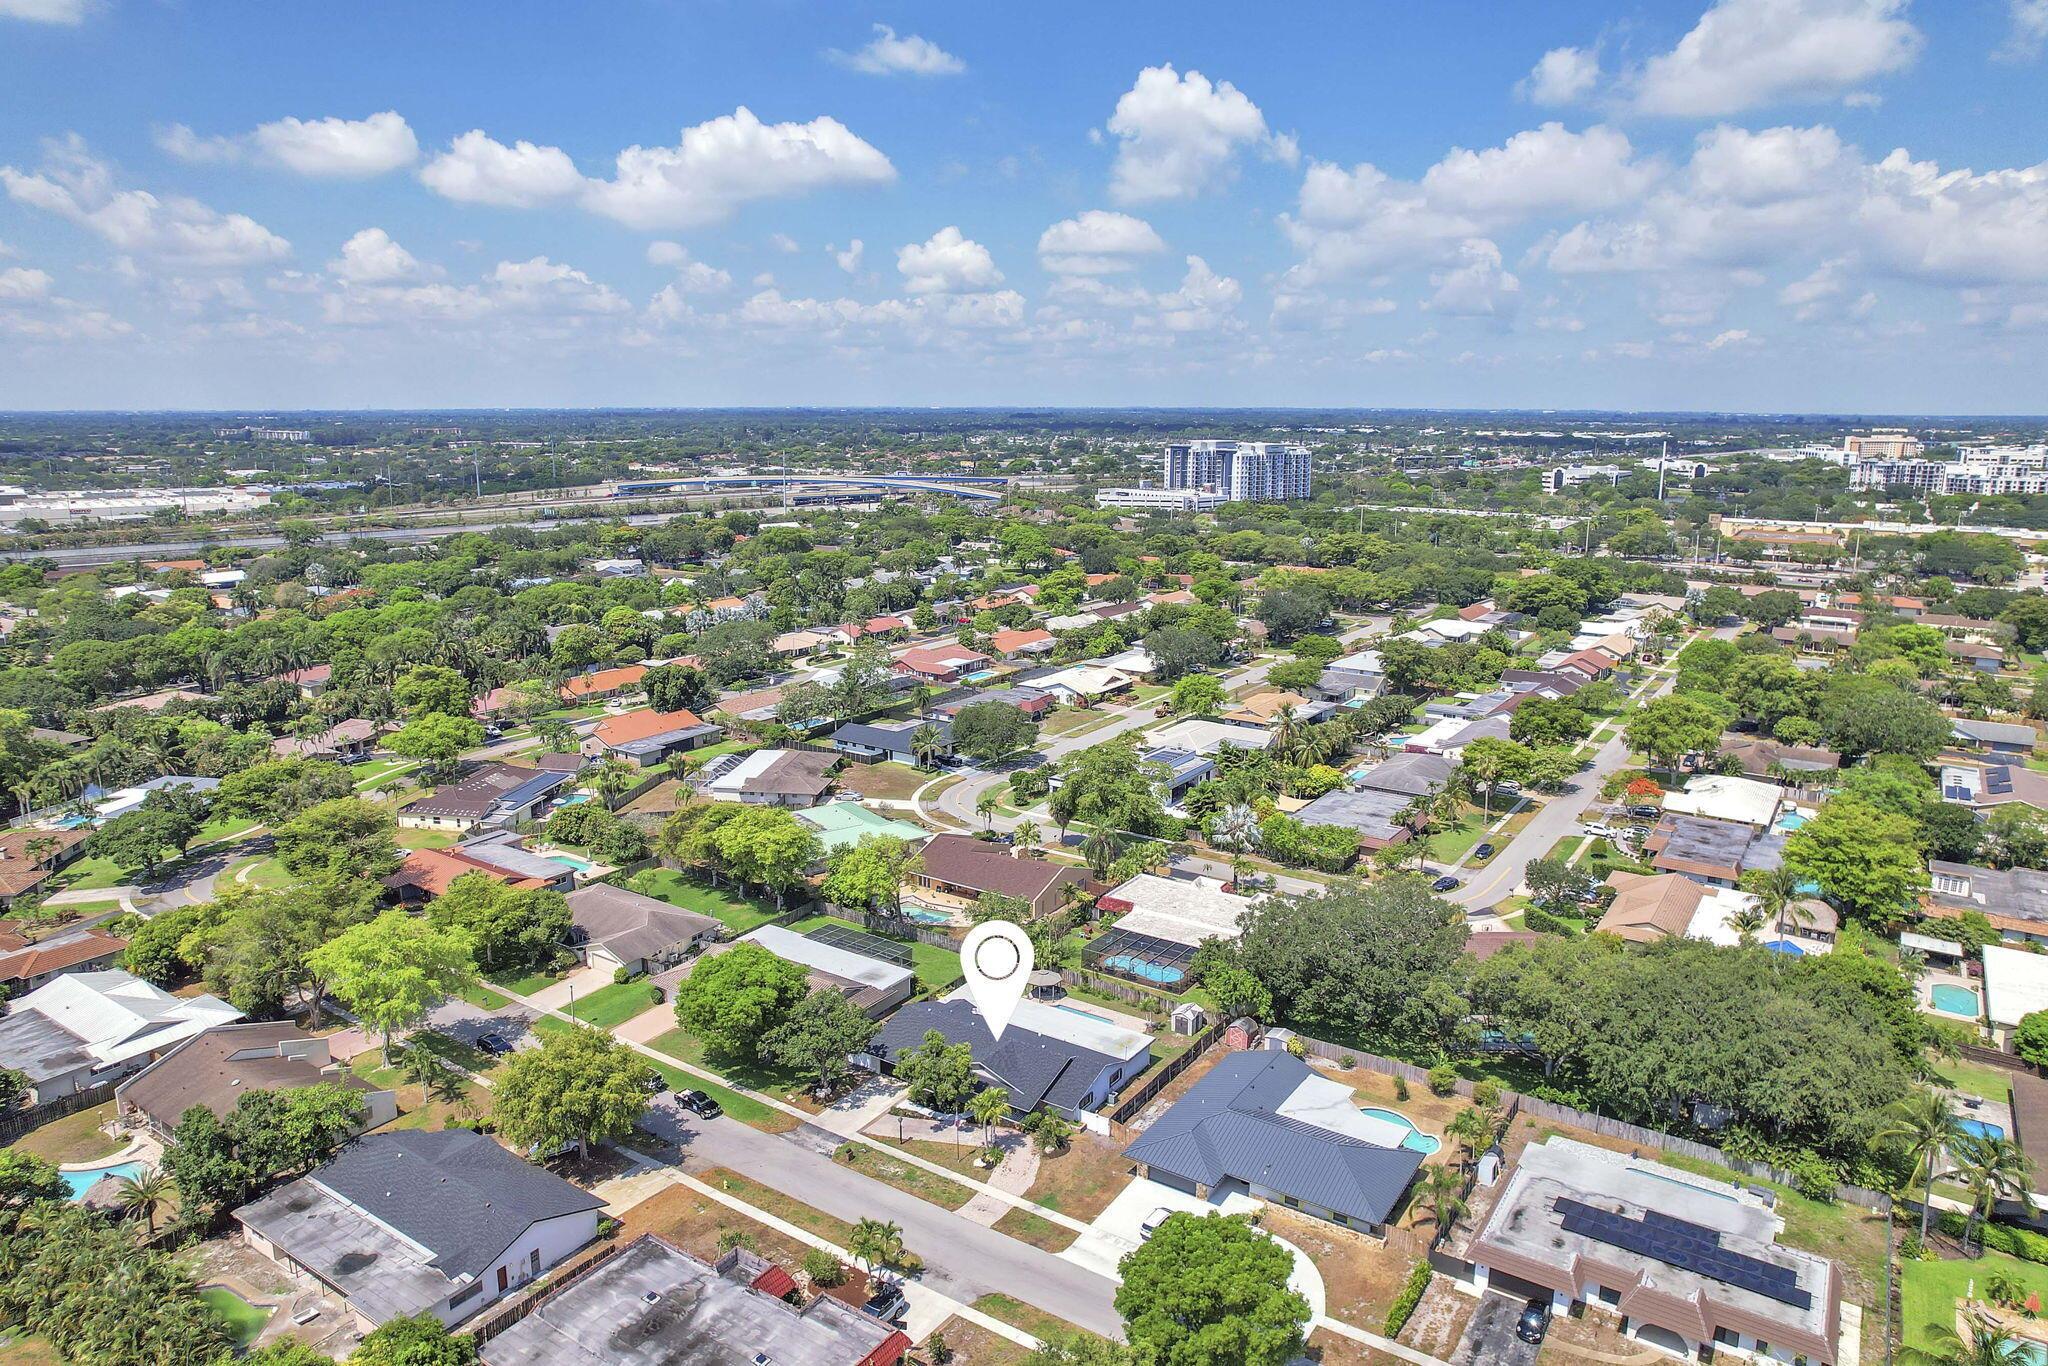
column 465, row 1023
column 1114, row 1233
column 582, row 982
column 1490, row 1335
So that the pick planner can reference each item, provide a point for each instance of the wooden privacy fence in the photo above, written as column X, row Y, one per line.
column 15, row 1123
column 1159, row 1080
column 1603, row 1125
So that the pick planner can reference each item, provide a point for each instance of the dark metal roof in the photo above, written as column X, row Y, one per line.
column 1034, row 1068
column 1227, row 1127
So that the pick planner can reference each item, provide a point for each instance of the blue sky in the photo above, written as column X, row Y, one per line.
column 1806, row 205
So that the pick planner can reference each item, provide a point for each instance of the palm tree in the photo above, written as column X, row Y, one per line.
column 1925, row 1127
column 1777, row 896
column 875, row 1243
column 1994, row 1169
column 145, row 1193
column 1989, row 1344
column 1746, row 921
column 1101, row 849
column 1470, row 1128
column 985, row 805
column 1442, row 1191
column 1051, row 1131
column 925, row 743
column 988, row 1106
column 1237, row 827
column 1027, row 836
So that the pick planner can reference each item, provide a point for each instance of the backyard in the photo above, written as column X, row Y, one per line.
column 1930, row 1291
column 738, row 912
column 74, row 1138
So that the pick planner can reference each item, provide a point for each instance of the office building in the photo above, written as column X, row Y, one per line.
column 1241, row 471
column 1972, row 470
column 1149, row 498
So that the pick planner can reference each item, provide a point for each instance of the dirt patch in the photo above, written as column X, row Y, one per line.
column 1083, row 1178
column 886, row 782
column 1439, row 1320
column 1361, row 1275
column 971, row 1345
column 704, row 1227
column 1333, row 1349
column 1572, row 1336
column 1175, row 1089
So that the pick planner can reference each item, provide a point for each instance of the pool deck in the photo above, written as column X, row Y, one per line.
column 1950, row 979
column 141, row 1148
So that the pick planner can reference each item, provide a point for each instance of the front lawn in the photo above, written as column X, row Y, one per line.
column 769, row 1078
column 936, row 968
column 518, row 986
column 738, row 913
column 892, row 782
column 609, row 1007
column 426, row 839
column 1931, row 1290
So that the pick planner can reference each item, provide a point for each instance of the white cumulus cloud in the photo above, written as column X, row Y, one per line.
column 1743, row 54
column 1563, row 75
column 478, row 169
column 372, row 258
column 692, row 276
column 1178, row 135
column 908, row 55
column 68, row 12
column 1096, row 242
column 75, row 185
column 719, row 165
column 1545, row 169
column 947, row 263
column 329, row 148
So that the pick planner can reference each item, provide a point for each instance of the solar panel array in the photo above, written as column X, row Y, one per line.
column 860, row 941
column 1998, row 781
column 1687, row 1246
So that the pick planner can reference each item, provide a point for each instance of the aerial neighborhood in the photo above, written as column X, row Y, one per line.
column 1494, row 937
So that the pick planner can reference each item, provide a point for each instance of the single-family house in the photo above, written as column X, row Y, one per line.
column 1994, row 737
column 1160, row 924
column 2015, row 900
column 1017, row 644
column 417, row 1222
column 344, row 742
column 601, row 685
column 82, row 1029
column 311, row 681
column 1720, row 797
column 798, row 644
column 1711, row 851
column 959, row 868
column 491, row 793
column 1060, row 1060
column 1180, row 771
column 895, row 742
column 1081, row 685
column 2015, row 986
column 1799, row 766
column 1378, row 818
column 649, row 738
column 834, row 961
column 614, row 927
column 654, row 1304
column 30, row 854
column 940, row 663
column 1268, row 1125
column 1411, row 775
column 1688, row 1264
column 843, row 824
column 768, row 777
column 26, row 965
column 1033, row 702
column 1982, row 784
column 1200, row 735
column 217, row 1068
column 1264, row 708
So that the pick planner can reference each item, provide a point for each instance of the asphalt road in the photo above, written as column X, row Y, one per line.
column 962, row 1259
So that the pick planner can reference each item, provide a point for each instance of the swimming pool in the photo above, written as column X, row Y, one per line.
column 1954, row 1000
column 83, row 1181
column 575, row 799
column 979, row 676
column 1789, row 822
column 1142, row 969
column 1416, row 1141
column 925, row 917
column 1980, row 1128
column 570, row 861
column 1076, row 1010
column 1785, row 946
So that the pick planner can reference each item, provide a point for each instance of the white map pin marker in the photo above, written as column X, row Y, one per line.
column 997, row 958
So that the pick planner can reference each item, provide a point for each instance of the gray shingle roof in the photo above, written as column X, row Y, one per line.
column 1034, row 1068
column 1227, row 1127
column 455, row 1192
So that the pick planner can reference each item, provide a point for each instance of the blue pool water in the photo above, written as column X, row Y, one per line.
column 1955, row 1000
column 1076, row 1010
column 925, row 917
column 570, row 860
column 575, row 799
column 979, row 676
column 1417, row 1141
column 1785, row 946
column 73, row 822
column 1789, row 822
column 1142, row 970
column 83, row 1181
column 1980, row 1128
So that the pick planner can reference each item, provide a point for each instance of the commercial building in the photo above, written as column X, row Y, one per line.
column 1687, row 1263
column 1239, row 471
column 1150, row 498
column 1972, row 470
column 125, row 505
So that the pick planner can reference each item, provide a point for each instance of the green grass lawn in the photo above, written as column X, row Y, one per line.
column 1989, row 1082
column 724, row 747
column 610, row 1007
column 1930, row 1291
column 743, row 1108
column 936, row 968
column 243, row 1319
column 520, row 986
column 264, row 874
column 91, row 873
column 766, row 1077
column 222, row 828
column 426, row 839
column 453, row 1050
column 371, row 773
column 482, row 997
column 739, row 913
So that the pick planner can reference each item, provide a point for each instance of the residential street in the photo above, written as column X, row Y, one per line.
column 962, row 1259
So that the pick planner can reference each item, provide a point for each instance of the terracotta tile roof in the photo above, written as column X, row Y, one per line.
column 57, row 953
column 604, row 681
column 639, row 725
column 433, row 870
column 1650, row 908
column 1006, row 641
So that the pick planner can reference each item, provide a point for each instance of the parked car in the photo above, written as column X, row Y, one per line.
column 1444, row 883
column 1596, row 828
column 1484, row 851
column 887, row 1304
column 656, row 1083
column 1643, row 811
column 1153, row 1221
column 1534, row 1323
column 699, row 1104
column 497, row 1045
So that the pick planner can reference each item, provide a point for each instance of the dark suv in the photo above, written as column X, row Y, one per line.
column 1535, row 1321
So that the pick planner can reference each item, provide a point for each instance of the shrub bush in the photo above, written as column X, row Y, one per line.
column 1400, row 1088
column 1443, row 1079
column 1410, row 1296
column 1543, row 922
column 822, row 1268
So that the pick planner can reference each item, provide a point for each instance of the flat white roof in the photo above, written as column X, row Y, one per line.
column 2015, row 983
column 1181, row 911
column 1198, row 735
column 752, row 766
column 1080, row 1028
column 842, row 963
column 1725, row 798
